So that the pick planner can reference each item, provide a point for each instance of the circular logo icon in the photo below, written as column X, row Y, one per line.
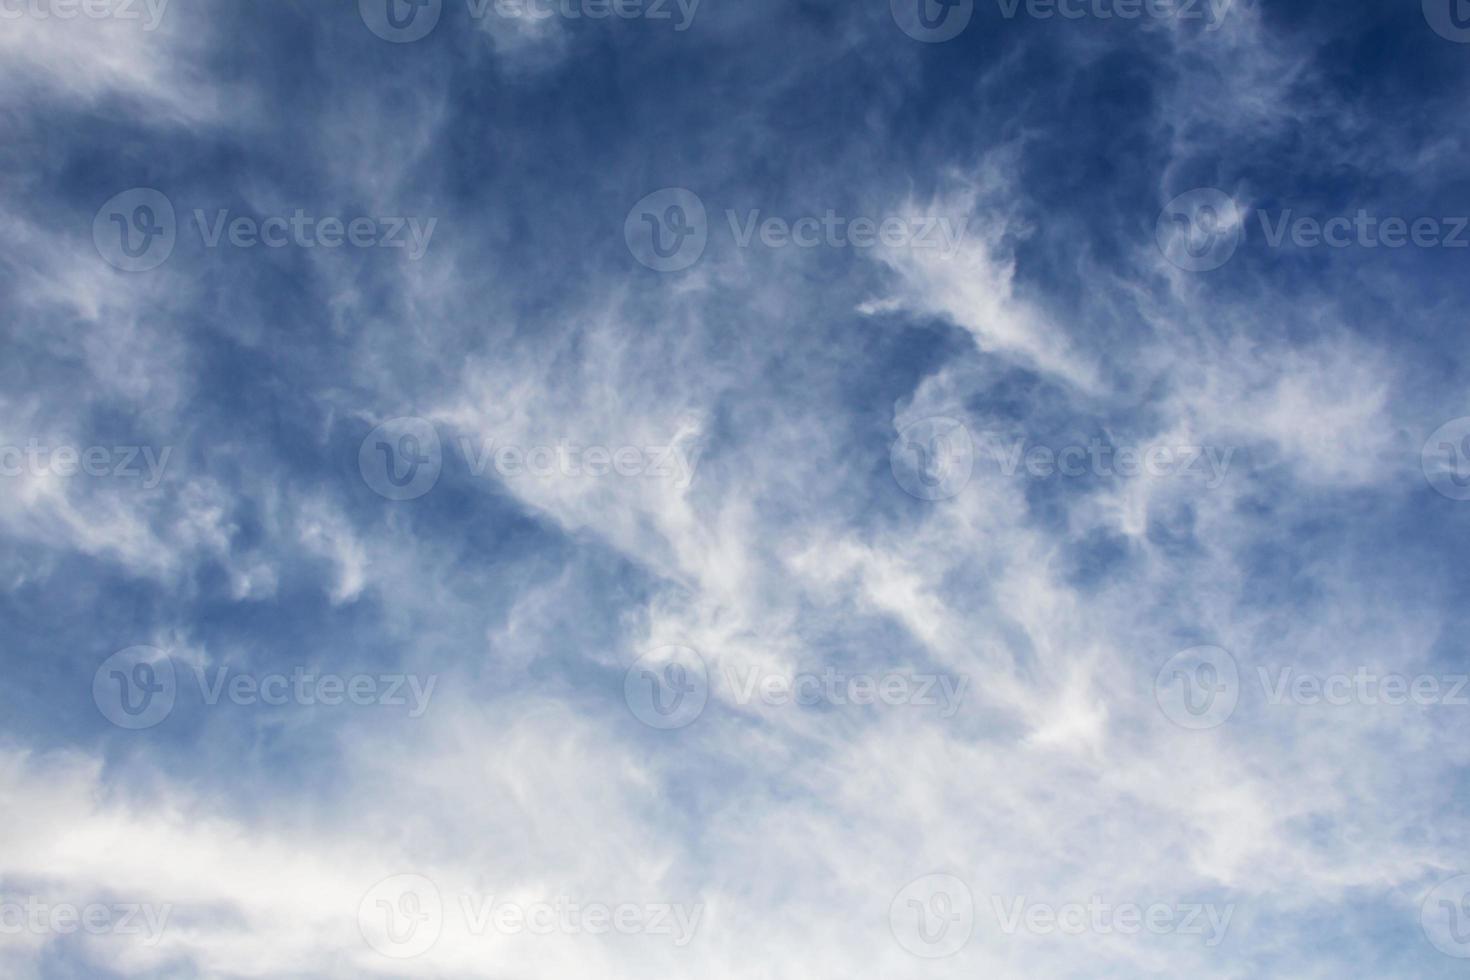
column 1199, row 230
column 667, row 688
column 401, row 459
column 1449, row 18
column 1445, row 916
column 400, row 21
column 933, row 458
column 135, row 688
column 135, row 231
column 1198, row 688
column 1446, row 459
column 402, row 916
column 667, row 230
column 932, row 21
column 933, row 916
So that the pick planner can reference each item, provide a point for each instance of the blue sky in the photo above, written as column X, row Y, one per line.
column 869, row 488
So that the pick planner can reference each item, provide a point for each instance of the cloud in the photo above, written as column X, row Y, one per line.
column 759, row 515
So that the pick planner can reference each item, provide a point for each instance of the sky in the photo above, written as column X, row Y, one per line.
column 780, row 488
